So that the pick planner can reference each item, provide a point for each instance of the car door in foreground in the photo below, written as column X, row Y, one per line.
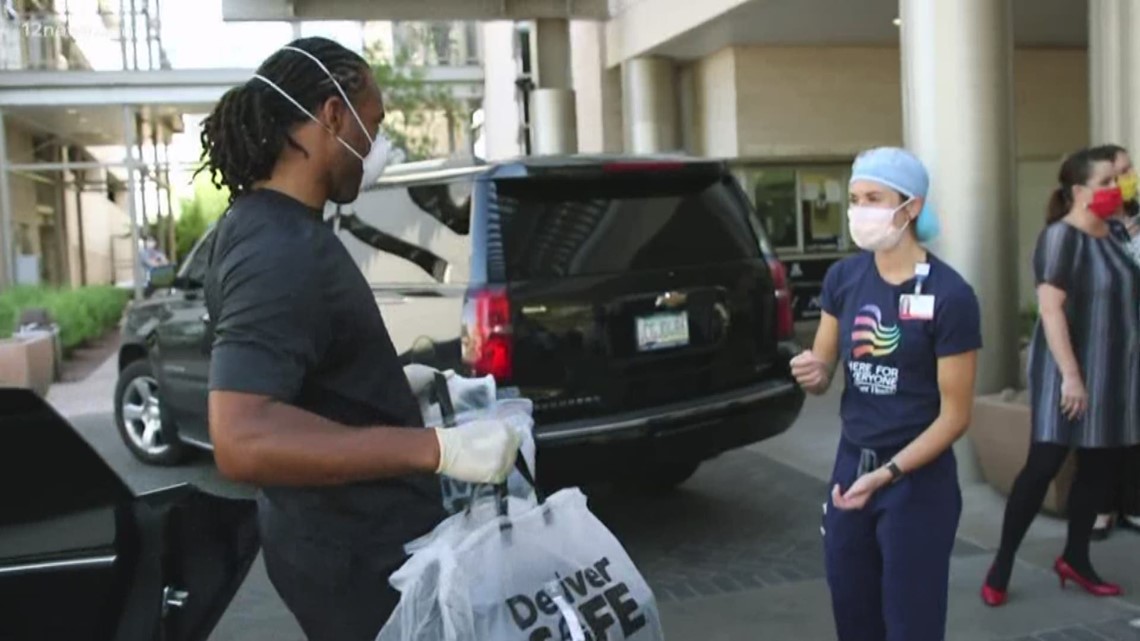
column 83, row 557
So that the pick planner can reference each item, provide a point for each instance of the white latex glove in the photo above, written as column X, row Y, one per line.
column 478, row 452
column 421, row 378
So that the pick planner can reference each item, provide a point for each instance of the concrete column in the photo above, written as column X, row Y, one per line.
column 7, row 237
column 649, row 101
column 1108, row 49
column 502, row 120
column 132, row 195
column 551, row 46
column 958, row 117
column 554, row 128
column 597, row 89
column 553, row 112
column 1129, row 61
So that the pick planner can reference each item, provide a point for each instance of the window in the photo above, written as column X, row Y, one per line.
column 804, row 208
column 195, row 265
column 411, row 233
column 773, row 194
column 823, row 209
column 554, row 228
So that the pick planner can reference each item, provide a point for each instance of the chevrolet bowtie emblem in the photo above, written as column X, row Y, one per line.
column 672, row 300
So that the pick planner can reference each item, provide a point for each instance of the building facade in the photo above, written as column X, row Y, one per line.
column 90, row 104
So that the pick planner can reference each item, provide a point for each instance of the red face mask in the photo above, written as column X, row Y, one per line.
column 1106, row 202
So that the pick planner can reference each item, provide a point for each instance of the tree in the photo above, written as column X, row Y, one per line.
column 198, row 213
column 415, row 107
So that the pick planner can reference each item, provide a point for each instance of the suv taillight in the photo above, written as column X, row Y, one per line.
column 488, row 348
column 785, row 322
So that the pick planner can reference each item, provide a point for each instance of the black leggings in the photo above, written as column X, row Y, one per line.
column 1124, row 499
column 1097, row 472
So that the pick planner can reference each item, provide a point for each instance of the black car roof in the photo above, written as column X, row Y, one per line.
column 443, row 170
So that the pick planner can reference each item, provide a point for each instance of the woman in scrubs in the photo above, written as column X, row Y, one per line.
column 906, row 328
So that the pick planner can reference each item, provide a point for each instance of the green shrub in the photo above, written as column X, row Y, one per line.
column 82, row 314
column 8, row 316
column 1028, row 320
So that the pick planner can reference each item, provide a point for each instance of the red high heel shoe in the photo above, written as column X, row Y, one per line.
column 1065, row 572
column 993, row 597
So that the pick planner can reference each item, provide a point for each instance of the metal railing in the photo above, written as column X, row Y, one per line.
column 433, row 44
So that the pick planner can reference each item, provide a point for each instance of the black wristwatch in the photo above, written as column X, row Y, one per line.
column 896, row 473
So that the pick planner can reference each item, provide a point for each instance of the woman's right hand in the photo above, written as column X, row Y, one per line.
column 810, row 371
column 1074, row 397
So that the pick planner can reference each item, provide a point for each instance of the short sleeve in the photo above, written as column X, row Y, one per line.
column 831, row 296
column 264, row 296
column 958, row 323
column 1054, row 256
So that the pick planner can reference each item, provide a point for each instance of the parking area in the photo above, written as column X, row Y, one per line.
column 735, row 553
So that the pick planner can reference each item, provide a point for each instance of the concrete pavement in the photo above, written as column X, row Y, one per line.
column 735, row 553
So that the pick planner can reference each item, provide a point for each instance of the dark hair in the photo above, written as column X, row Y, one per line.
column 1075, row 170
column 1110, row 150
column 249, row 127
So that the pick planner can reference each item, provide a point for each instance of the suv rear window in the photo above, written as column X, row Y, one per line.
column 555, row 227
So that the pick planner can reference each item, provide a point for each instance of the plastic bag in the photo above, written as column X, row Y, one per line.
column 456, row 400
column 545, row 571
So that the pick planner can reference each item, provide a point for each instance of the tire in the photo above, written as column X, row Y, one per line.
column 138, row 417
column 666, row 477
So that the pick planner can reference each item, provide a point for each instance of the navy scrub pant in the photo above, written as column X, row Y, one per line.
column 888, row 565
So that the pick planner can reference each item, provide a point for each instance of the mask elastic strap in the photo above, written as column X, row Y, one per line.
column 338, row 88
column 908, row 201
column 308, row 113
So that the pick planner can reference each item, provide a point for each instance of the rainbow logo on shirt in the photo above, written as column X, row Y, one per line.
column 870, row 337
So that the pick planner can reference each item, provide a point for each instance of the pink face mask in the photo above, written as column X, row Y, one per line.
column 873, row 228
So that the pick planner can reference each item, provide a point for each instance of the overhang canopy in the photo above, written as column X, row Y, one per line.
column 86, row 107
column 685, row 29
column 259, row 10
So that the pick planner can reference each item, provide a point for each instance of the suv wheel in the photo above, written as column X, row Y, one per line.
column 138, row 415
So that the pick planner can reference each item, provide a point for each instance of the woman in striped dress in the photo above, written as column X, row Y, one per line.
column 1084, row 369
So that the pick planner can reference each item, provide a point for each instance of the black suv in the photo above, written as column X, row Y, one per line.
column 636, row 301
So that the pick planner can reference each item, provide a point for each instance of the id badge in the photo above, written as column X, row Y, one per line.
column 916, row 307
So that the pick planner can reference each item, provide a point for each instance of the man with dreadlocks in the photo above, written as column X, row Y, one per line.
column 308, row 400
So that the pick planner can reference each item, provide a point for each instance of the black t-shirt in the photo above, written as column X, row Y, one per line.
column 295, row 320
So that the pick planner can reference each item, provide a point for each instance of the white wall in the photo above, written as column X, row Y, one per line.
column 831, row 102
column 103, row 220
column 817, row 100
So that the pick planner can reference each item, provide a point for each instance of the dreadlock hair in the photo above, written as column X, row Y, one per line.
column 249, row 127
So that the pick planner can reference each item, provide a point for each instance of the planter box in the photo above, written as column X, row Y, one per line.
column 1000, row 433
column 28, row 361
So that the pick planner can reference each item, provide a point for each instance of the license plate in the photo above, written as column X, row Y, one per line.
column 662, row 331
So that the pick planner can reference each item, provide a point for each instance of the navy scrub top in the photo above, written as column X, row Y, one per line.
column 891, row 365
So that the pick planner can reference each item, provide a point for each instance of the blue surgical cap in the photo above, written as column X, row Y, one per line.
column 904, row 172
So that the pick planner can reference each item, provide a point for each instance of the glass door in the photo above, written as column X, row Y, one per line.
column 822, row 200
